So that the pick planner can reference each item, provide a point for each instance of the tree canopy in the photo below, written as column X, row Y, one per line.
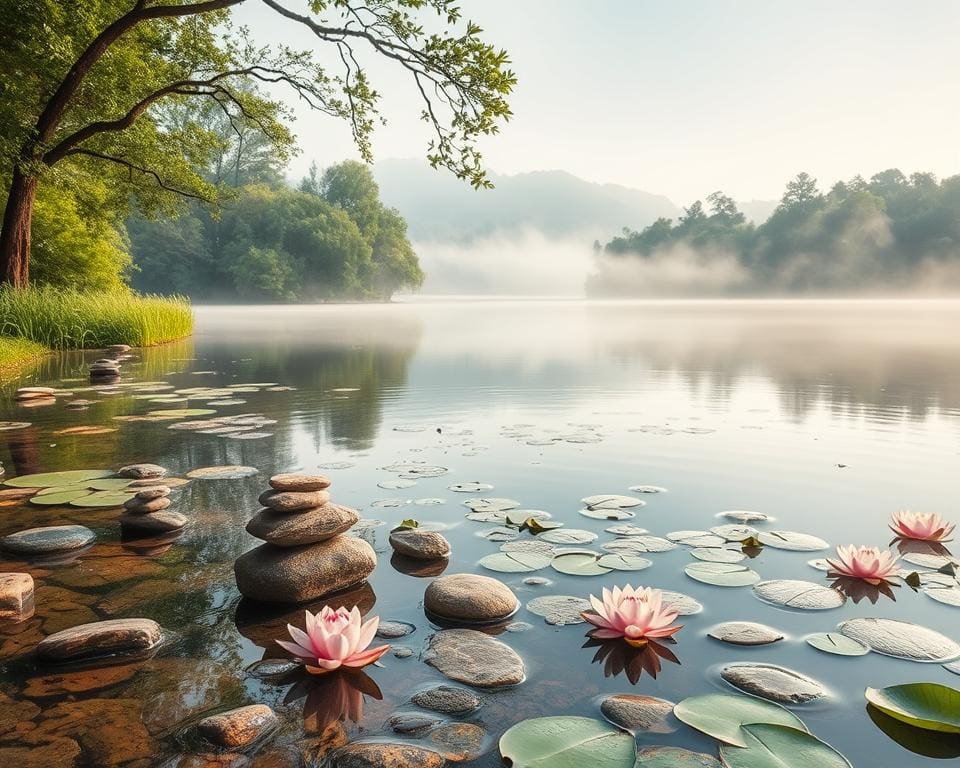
column 890, row 231
column 100, row 89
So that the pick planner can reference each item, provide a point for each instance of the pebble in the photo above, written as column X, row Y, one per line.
column 447, row 699
column 412, row 723
column 154, row 492
column 637, row 713
column 420, row 545
column 308, row 527
column 16, row 596
column 140, row 506
column 273, row 668
column 154, row 522
column 100, row 638
column 294, row 501
column 54, row 538
column 376, row 755
column 470, row 598
column 779, row 684
column 474, row 658
column 238, row 727
column 394, row 629
column 141, row 471
column 297, row 482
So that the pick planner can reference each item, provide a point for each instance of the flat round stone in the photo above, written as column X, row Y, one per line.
column 391, row 630
column 100, row 638
column 420, row 545
column 293, row 501
column 238, row 727
column 308, row 527
column 474, row 658
column 155, row 522
column 470, row 598
column 53, row 538
column 142, row 471
column 139, row 506
column 447, row 699
column 378, row 755
column 779, row 684
column 636, row 713
column 745, row 633
column 292, row 481
column 154, row 492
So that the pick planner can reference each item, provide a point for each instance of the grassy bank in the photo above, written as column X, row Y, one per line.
column 67, row 319
column 15, row 353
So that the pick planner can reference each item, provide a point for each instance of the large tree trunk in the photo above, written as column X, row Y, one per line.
column 15, row 235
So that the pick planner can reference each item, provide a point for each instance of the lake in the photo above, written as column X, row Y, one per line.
column 825, row 416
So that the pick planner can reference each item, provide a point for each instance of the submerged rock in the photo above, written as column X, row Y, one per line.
column 16, row 596
column 384, row 756
column 308, row 527
column 447, row 699
column 100, row 638
column 297, row 574
column 238, row 727
column 292, row 481
column 470, row 598
column 54, row 538
column 474, row 658
column 779, row 684
column 420, row 545
column 636, row 713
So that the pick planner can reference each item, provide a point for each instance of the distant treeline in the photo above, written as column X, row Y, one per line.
column 330, row 239
column 888, row 232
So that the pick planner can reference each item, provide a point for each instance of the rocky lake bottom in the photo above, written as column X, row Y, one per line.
column 718, row 451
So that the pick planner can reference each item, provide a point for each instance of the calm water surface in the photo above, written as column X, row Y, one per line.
column 826, row 416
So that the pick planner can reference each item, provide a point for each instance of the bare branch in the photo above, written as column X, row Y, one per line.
column 132, row 167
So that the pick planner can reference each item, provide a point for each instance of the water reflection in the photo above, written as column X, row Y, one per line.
column 858, row 589
column 336, row 697
column 620, row 658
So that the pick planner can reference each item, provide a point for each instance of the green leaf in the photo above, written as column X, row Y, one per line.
column 59, row 496
column 567, row 742
column 103, row 499
column 930, row 706
column 721, row 715
column 722, row 574
column 579, row 564
column 409, row 523
column 768, row 745
column 516, row 562
column 49, row 479
column 834, row 642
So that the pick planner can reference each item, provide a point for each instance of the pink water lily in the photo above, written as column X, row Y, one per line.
column 334, row 639
column 868, row 563
column 636, row 615
column 924, row 526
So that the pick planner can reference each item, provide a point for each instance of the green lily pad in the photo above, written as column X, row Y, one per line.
column 56, row 496
column 683, row 604
column 834, row 642
column 722, row 715
column 770, row 745
column 637, row 544
column 793, row 541
column 109, row 484
column 583, row 563
column 718, row 554
column 567, row 742
column 490, row 504
column 930, row 706
column 624, row 562
column 470, row 487
column 64, row 489
column 50, row 479
column 568, row 536
column 612, row 501
column 102, row 499
column 722, row 574
column 559, row 610
column 516, row 562
column 607, row 513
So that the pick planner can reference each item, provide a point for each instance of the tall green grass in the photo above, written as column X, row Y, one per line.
column 68, row 319
column 17, row 352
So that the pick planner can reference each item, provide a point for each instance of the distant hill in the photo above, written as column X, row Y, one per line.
column 554, row 204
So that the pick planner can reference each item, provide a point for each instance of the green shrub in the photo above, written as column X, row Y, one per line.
column 68, row 319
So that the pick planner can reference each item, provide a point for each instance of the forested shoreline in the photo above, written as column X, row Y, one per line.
column 887, row 233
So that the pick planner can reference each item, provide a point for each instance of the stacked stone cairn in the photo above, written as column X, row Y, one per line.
column 33, row 396
column 306, row 556
column 147, row 511
column 106, row 370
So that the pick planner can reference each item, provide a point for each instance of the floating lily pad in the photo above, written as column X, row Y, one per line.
column 527, row 545
column 181, row 413
column 683, row 604
column 745, row 516
column 927, row 560
column 57, row 496
column 722, row 574
column 500, row 533
column 804, row 595
column 470, row 487
column 49, row 479
column 227, row 472
column 567, row 742
column 948, row 595
column 791, row 540
column 624, row 562
column 639, row 544
column 559, row 610
column 498, row 516
column 582, row 563
column 820, row 564
column 255, row 435
column 696, row 538
column 568, row 536
column 834, row 642
column 7, row 426
column 902, row 639
column 745, row 633
column 930, row 706
column 491, row 504
column 625, row 529
column 770, row 745
column 722, row 716
column 734, row 532
column 717, row 554
column 113, row 483
column 396, row 485
column 606, row 513
column 647, row 489
column 430, row 502
column 516, row 562
column 102, row 499
column 612, row 501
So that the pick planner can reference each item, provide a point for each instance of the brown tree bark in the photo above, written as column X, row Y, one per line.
column 15, row 234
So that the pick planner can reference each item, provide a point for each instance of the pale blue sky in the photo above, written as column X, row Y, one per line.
column 683, row 97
